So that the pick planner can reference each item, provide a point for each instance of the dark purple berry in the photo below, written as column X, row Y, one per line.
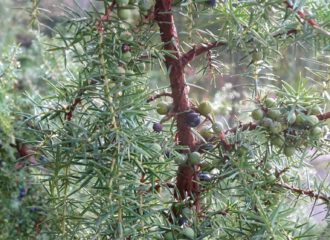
column 168, row 153
column 212, row 3
column 43, row 159
column 125, row 48
column 193, row 119
column 205, row 177
column 206, row 147
column 183, row 222
column 22, row 193
column 157, row 127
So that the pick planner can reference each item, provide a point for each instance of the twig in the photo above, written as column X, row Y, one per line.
column 198, row 50
column 163, row 94
column 302, row 15
column 309, row 193
column 105, row 17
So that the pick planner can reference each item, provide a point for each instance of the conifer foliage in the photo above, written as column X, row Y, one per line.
column 124, row 160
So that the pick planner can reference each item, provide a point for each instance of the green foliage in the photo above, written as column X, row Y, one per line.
column 99, row 171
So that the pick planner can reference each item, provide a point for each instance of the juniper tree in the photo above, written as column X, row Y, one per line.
column 126, row 160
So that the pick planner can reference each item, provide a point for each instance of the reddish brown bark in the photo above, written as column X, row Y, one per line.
column 198, row 50
column 187, row 175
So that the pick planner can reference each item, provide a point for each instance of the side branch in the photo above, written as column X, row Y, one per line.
column 302, row 15
column 163, row 94
column 198, row 50
column 309, row 193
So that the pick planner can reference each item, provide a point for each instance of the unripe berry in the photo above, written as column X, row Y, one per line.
column 276, row 127
column 126, row 36
column 289, row 151
column 119, row 73
column 124, row 13
column 157, row 127
column 312, row 120
column 217, row 127
column 315, row 110
column 291, row 118
column 162, row 108
column 193, row 119
column 206, row 133
column 122, row 3
column 146, row 5
column 266, row 122
column 155, row 147
column 274, row 114
column 188, row 233
column 270, row 102
column 316, row 132
column 194, row 158
column 257, row 114
column 169, row 236
column 277, row 140
column 126, row 56
column 205, row 108
column 257, row 56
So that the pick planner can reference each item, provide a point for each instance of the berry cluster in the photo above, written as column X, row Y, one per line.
column 288, row 126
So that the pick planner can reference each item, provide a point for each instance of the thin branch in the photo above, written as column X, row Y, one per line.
column 302, row 15
column 105, row 17
column 305, row 192
column 163, row 94
column 198, row 50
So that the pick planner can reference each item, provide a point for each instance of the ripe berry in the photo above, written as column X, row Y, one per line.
column 193, row 119
column 257, row 114
column 183, row 222
column 162, row 108
column 212, row 3
column 157, row 127
column 217, row 127
column 206, row 147
column 125, row 48
column 194, row 158
column 205, row 177
column 205, row 108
